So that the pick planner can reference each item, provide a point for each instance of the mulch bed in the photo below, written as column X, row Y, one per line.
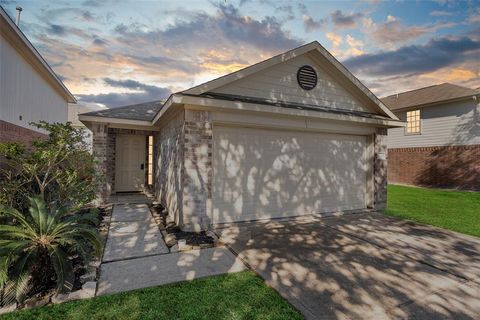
column 173, row 234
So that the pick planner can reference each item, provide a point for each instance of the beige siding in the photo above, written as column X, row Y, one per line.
column 23, row 92
column 279, row 83
column 455, row 123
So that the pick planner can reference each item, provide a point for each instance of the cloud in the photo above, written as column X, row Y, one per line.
column 440, row 13
column 238, row 40
column 392, row 32
column 474, row 16
column 310, row 24
column 137, row 92
column 226, row 27
column 342, row 20
column 415, row 59
column 56, row 29
column 354, row 47
column 336, row 41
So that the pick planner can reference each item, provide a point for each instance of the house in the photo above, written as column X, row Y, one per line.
column 29, row 89
column 440, row 145
column 293, row 135
column 74, row 110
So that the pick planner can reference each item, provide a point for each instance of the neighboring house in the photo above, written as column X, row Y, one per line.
column 73, row 111
column 293, row 135
column 29, row 89
column 440, row 145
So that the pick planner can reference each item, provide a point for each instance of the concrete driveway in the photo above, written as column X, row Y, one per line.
column 365, row 266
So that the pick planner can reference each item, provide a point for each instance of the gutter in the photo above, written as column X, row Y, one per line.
column 475, row 97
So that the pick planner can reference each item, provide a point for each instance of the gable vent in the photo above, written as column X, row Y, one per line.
column 307, row 78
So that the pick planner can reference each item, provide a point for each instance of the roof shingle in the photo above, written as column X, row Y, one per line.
column 142, row 111
column 427, row 95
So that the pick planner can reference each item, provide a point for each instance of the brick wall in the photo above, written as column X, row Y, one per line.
column 99, row 150
column 380, row 168
column 197, row 178
column 10, row 132
column 170, row 145
column 442, row 166
column 185, row 169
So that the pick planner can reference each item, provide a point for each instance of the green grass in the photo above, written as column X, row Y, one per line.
column 235, row 296
column 455, row 210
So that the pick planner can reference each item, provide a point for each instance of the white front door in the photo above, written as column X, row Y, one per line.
column 129, row 162
column 263, row 174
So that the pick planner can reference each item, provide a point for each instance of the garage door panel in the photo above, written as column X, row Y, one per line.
column 269, row 173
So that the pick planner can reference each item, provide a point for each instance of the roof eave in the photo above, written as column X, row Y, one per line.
column 90, row 119
column 431, row 104
column 207, row 103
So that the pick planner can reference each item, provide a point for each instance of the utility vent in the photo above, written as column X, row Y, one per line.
column 307, row 77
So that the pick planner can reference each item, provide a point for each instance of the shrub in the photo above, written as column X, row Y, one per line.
column 36, row 249
column 59, row 169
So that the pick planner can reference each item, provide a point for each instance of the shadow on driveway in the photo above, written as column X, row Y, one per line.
column 363, row 266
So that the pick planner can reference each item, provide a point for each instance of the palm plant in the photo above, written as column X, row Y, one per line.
column 37, row 248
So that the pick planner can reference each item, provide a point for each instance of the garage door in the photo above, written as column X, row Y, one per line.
column 261, row 174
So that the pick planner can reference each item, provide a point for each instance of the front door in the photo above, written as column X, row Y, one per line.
column 129, row 163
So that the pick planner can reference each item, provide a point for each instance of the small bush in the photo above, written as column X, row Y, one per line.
column 59, row 169
column 36, row 249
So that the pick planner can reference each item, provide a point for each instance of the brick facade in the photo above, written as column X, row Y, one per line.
column 169, row 165
column 183, row 167
column 380, row 169
column 442, row 166
column 10, row 132
column 197, row 178
column 99, row 150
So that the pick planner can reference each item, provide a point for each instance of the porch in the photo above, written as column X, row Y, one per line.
column 126, row 160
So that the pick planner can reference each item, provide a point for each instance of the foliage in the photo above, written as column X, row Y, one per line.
column 455, row 210
column 41, row 243
column 58, row 169
column 232, row 296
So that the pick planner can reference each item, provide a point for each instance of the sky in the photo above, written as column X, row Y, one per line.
column 113, row 53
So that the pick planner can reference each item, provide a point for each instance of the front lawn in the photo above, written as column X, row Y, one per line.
column 455, row 210
column 235, row 296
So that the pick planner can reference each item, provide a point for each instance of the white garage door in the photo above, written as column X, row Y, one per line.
column 261, row 174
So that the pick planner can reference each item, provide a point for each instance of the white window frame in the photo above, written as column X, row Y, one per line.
column 414, row 122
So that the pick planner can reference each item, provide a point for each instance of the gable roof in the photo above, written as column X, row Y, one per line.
column 13, row 33
column 312, row 47
column 428, row 95
column 142, row 111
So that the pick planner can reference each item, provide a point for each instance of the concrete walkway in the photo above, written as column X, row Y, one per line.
column 133, row 233
column 136, row 255
column 167, row 268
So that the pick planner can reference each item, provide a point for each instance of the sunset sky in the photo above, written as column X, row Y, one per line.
column 113, row 53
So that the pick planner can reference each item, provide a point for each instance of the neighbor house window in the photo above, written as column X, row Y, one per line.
column 150, row 161
column 413, row 122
